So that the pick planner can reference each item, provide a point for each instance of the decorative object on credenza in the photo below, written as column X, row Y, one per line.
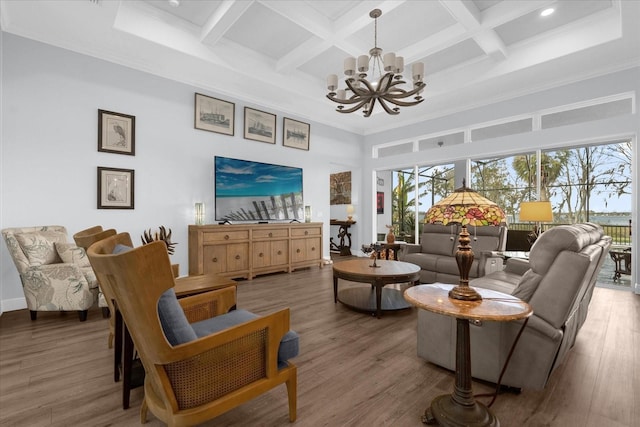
column 307, row 213
column 116, row 133
column 214, row 115
column 259, row 125
column 199, row 213
column 350, row 211
column 115, row 188
column 391, row 238
column 384, row 83
column 537, row 212
column 295, row 134
column 162, row 234
column 466, row 207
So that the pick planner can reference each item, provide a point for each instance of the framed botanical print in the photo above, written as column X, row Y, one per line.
column 116, row 133
column 115, row 188
column 214, row 115
column 295, row 134
column 259, row 126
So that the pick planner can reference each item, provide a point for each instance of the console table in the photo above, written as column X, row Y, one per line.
column 343, row 232
column 460, row 408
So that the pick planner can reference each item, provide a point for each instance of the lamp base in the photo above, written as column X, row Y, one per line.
column 464, row 259
column 464, row 293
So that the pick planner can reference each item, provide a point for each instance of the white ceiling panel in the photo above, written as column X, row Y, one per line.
column 532, row 24
column 265, row 31
column 459, row 53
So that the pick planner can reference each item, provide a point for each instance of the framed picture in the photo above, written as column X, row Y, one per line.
column 115, row 188
column 380, row 201
column 116, row 133
column 295, row 134
column 259, row 126
column 214, row 115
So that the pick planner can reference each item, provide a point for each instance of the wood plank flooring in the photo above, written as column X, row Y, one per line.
column 353, row 369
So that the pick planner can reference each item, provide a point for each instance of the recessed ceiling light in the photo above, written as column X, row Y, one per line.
column 547, row 12
column 174, row 3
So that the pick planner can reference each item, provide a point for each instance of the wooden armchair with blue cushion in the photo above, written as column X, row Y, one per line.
column 201, row 356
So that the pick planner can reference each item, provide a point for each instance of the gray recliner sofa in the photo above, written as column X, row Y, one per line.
column 557, row 281
column 435, row 255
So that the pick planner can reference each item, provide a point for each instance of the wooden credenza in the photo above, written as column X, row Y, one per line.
column 246, row 250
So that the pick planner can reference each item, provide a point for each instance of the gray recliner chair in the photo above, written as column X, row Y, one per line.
column 557, row 281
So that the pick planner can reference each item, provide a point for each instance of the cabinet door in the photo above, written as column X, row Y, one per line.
column 298, row 250
column 279, row 252
column 215, row 259
column 261, row 252
column 237, row 257
column 312, row 249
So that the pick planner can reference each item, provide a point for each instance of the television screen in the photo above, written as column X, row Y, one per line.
column 255, row 191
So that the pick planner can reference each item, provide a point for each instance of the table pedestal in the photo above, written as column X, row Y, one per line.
column 460, row 408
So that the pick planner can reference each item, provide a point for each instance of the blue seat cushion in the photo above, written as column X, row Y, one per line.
column 289, row 344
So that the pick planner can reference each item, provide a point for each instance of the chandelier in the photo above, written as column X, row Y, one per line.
column 362, row 93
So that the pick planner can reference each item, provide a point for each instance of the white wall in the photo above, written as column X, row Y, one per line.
column 48, row 147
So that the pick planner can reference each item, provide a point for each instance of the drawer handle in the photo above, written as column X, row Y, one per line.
column 260, row 255
column 237, row 256
column 298, row 251
column 270, row 234
column 226, row 237
column 306, row 232
column 214, row 259
column 313, row 249
column 279, row 252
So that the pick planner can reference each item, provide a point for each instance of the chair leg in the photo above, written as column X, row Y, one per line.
column 143, row 411
column 117, row 350
column 82, row 314
column 34, row 314
column 292, row 394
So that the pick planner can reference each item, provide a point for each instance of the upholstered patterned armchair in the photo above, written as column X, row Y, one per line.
column 56, row 275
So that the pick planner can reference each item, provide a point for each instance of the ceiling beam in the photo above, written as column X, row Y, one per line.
column 222, row 19
column 467, row 14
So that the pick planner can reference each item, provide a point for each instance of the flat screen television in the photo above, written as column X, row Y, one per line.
column 255, row 191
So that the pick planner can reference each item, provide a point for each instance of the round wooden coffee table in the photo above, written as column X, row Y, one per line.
column 377, row 298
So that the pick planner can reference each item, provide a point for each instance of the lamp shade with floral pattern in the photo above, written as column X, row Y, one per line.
column 466, row 207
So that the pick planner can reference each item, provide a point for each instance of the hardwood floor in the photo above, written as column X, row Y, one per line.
column 353, row 369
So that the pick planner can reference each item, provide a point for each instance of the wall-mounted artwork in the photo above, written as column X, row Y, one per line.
column 214, row 115
column 259, row 126
column 116, row 133
column 295, row 134
column 115, row 188
column 340, row 188
column 380, row 201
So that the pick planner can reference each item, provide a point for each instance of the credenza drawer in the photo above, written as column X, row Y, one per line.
column 225, row 236
column 306, row 231
column 270, row 233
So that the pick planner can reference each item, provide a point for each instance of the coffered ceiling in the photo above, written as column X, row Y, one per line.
column 277, row 54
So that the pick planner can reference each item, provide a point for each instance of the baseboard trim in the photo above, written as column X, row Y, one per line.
column 12, row 304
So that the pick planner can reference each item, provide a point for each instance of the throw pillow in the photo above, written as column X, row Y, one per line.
column 70, row 253
column 39, row 246
column 174, row 323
